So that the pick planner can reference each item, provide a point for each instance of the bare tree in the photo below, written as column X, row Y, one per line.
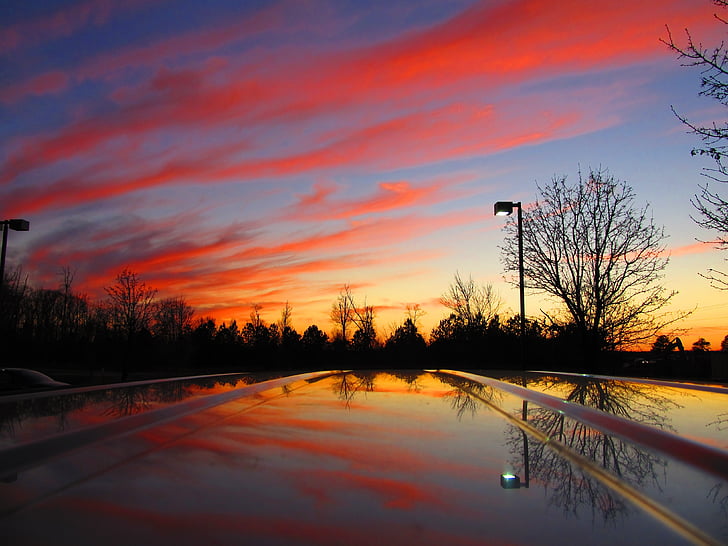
column 590, row 246
column 414, row 313
column 255, row 319
column 471, row 302
column 172, row 317
column 366, row 335
column 342, row 313
column 130, row 303
column 711, row 206
column 286, row 314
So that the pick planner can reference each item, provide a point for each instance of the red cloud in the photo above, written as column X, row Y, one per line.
column 390, row 196
column 485, row 46
column 48, row 82
column 64, row 22
column 448, row 133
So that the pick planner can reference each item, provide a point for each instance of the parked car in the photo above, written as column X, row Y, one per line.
column 22, row 379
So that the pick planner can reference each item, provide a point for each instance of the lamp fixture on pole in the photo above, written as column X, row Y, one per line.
column 505, row 208
column 16, row 224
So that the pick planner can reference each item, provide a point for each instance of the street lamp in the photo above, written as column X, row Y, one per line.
column 16, row 224
column 505, row 208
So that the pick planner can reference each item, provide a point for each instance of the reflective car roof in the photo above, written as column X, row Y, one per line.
column 368, row 457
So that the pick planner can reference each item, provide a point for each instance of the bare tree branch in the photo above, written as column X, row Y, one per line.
column 589, row 246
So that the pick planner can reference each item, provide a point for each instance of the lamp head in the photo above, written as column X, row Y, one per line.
column 503, row 208
column 19, row 224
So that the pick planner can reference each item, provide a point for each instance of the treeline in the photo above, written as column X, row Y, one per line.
column 131, row 330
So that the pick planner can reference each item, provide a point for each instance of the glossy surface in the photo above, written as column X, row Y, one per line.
column 361, row 458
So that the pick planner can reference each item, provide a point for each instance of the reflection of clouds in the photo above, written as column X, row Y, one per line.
column 324, row 485
column 355, row 450
column 118, row 522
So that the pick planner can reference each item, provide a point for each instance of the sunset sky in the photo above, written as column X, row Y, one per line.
column 241, row 153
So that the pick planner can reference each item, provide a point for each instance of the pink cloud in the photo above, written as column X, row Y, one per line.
column 48, row 82
column 465, row 50
column 390, row 196
column 695, row 248
column 64, row 22
column 448, row 133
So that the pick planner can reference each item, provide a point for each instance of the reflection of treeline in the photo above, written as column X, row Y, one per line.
column 116, row 402
column 133, row 330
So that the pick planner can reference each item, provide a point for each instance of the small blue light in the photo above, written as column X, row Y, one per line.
column 510, row 481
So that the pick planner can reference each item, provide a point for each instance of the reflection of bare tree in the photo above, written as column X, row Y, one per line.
column 171, row 392
column 466, row 395
column 720, row 423
column 410, row 377
column 720, row 497
column 348, row 384
column 128, row 401
column 569, row 487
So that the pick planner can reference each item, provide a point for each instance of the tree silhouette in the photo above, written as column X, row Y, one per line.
column 712, row 207
column 701, row 345
column 406, row 339
column 342, row 314
column 130, row 303
column 172, row 318
column 131, row 306
column 314, row 339
column 471, row 303
column 663, row 344
column 589, row 246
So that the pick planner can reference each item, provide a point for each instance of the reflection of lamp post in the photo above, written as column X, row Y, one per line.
column 16, row 224
column 511, row 481
column 505, row 208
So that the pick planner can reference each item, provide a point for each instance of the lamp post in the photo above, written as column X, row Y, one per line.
column 16, row 224
column 505, row 208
